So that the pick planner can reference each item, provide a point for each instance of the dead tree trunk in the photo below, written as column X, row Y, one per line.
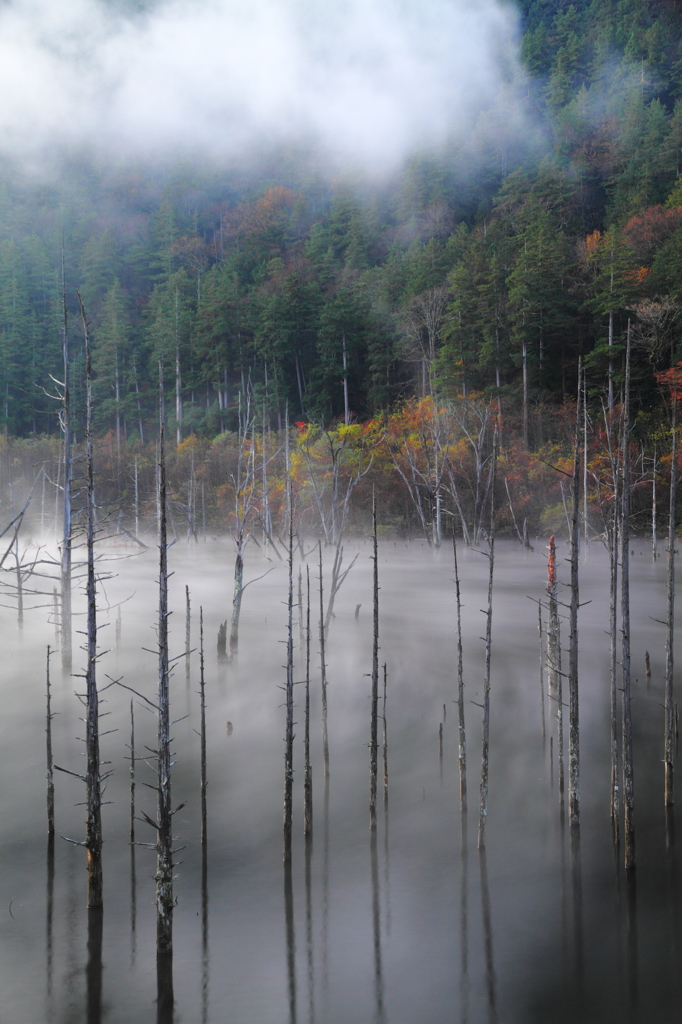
column 50, row 769
column 308, row 774
column 373, row 743
column 669, row 650
column 573, row 709
column 323, row 673
column 483, row 817
column 132, row 773
column 236, row 601
column 385, row 743
column 628, row 775
column 613, row 630
column 188, row 628
column 65, row 567
column 289, row 731
column 164, row 842
column 654, row 509
column 462, row 748
column 93, row 833
column 202, row 734
column 554, row 676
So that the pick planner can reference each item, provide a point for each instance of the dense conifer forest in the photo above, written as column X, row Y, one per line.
column 480, row 272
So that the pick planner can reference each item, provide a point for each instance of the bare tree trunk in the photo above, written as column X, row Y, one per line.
column 132, row 773
column 526, row 437
column 93, row 833
column 613, row 630
column 323, row 674
column 483, row 818
column 50, row 770
column 188, row 626
column 164, row 843
column 670, row 637
column 237, row 599
column 202, row 735
column 654, row 510
column 554, row 675
column 573, row 709
column 462, row 743
column 308, row 773
column 65, row 568
column 628, row 774
column 611, row 361
column 373, row 743
column 542, row 680
column 385, row 744
column 289, row 732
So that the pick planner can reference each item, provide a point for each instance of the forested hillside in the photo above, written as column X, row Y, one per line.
column 487, row 268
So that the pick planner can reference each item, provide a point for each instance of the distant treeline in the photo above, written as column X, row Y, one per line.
column 487, row 269
column 429, row 467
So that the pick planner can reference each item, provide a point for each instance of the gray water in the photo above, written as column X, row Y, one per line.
column 417, row 928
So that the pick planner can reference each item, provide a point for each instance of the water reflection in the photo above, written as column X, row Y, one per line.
column 490, row 982
column 464, row 922
column 309, row 938
column 204, row 935
column 577, row 894
column 290, row 939
column 49, row 915
column 376, row 927
column 93, row 970
column 165, row 1000
column 632, row 961
column 133, row 908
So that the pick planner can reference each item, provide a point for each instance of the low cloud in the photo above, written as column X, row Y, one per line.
column 367, row 81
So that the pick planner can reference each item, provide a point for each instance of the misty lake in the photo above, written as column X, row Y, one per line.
column 414, row 928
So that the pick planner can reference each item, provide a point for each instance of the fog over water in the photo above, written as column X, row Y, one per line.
column 415, row 930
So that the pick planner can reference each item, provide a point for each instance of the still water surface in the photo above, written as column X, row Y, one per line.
column 417, row 928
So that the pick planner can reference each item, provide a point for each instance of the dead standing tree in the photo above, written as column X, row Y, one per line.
column 573, row 705
column 164, row 812
column 374, row 731
column 485, row 743
column 628, row 773
column 247, row 498
column 93, row 777
column 289, row 704
column 335, row 462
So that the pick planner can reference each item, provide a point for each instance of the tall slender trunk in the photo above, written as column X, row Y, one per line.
column 48, row 735
column 628, row 774
column 485, row 743
column 670, row 636
column 237, row 597
column 526, row 436
column 323, row 676
column 373, row 743
column 610, row 361
column 289, row 731
column 93, row 831
column 346, row 408
column 554, row 674
column 613, row 631
column 202, row 733
column 654, row 510
column 164, row 843
column 462, row 746
column 573, row 708
column 65, row 568
column 308, row 773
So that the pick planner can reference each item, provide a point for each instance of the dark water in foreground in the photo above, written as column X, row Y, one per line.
column 417, row 928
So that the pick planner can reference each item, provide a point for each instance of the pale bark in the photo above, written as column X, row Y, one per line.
column 573, row 701
column 485, row 743
column 628, row 772
column 462, row 748
column 670, row 625
column 373, row 742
